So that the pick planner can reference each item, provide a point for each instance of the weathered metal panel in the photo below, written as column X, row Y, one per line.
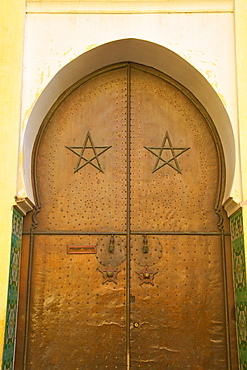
column 75, row 319
column 181, row 317
column 87, row 199
column 177, row 281
column 128, row 237
column 77, row 311
column 173, row 201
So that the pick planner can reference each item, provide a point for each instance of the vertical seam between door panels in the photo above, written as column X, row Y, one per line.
column 128, row 226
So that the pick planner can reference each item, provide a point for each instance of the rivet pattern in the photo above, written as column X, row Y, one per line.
column 87, row 200
column 175, row 279
column 185, row 300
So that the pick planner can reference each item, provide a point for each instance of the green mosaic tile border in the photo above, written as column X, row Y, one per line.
column 241, row 316
column 240, row 286
column 243, row 364
column 12, row 302
column 237, row 230
column 239, row 268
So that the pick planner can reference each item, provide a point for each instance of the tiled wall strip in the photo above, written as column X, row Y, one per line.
column 239, row 269
column 12, row 302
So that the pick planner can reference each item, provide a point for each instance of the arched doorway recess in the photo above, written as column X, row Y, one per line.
column 129, row 236
column 137, row 51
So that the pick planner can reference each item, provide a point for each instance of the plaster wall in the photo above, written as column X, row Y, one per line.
column 11, row 48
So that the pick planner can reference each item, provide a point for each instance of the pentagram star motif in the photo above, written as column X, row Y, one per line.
column 109, row 274
column 146, row 275
column 166, row 154
column 93, row 159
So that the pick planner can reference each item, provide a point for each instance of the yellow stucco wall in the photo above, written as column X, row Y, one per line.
column 241, row 55
column 11, row 41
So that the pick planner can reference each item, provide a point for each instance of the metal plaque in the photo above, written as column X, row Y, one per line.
column 81, row 249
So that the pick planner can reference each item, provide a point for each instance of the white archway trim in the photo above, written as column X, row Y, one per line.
column 231, row 206
column 133, row 50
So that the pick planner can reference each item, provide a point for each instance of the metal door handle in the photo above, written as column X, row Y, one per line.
column 145, row 247
column 111, row 245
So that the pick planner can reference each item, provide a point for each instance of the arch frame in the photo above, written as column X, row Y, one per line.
column 125, row 50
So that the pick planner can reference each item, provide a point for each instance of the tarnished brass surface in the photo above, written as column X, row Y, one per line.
column 75, row 320
column 173, row 201
column 182, row 317
column 182, row 321
column 166, row 198
column 88, row 199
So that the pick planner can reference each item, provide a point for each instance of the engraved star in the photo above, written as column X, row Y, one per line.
column 109, row 274
column 146, row 275
column 93, row 159
column 171, row 154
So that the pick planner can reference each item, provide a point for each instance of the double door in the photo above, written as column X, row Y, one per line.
column 127, row 263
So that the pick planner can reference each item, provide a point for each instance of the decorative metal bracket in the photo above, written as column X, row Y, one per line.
column 93, row 159
column 162, row 160
column 146, row 275
column 109, row 274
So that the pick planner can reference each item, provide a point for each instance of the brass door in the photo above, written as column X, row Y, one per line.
column 127, row 244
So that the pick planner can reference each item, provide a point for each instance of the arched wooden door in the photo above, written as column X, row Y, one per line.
column 127, row 244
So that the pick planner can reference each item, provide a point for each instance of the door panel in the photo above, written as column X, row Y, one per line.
column 88, row 199
column 127, row 263
column 174, row 201
column 74, row 318
column 181, row 317
column 181, row 320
